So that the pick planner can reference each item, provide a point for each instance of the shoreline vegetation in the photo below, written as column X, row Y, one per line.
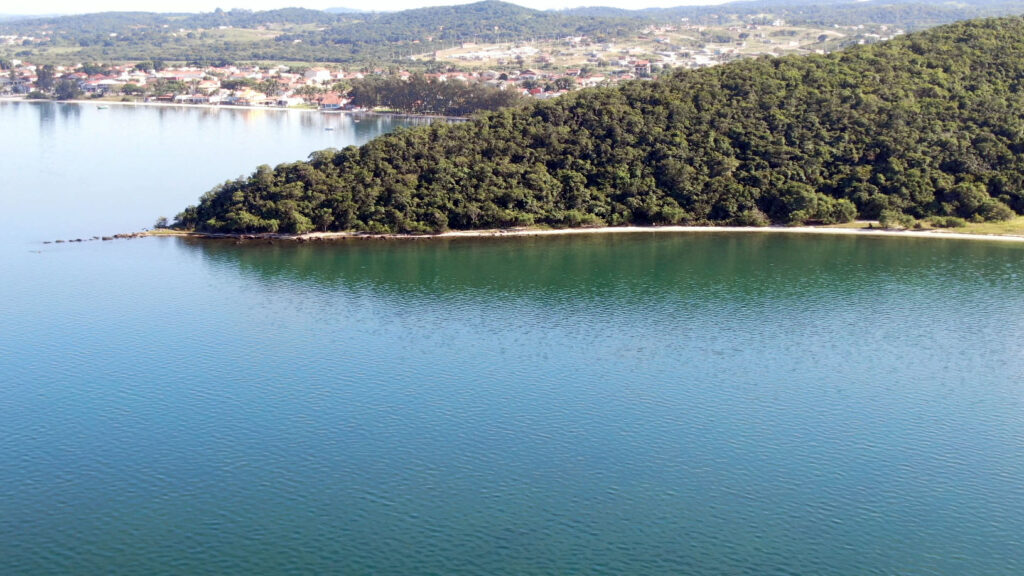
column 1011, row 231
column 99, row 102
column 858, row 228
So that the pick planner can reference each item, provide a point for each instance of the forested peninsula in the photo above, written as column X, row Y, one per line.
column 928, row 124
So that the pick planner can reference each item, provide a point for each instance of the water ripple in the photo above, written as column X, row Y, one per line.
column 676, row 404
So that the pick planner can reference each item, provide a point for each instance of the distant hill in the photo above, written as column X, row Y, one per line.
column 486, row 21
column 246, row 18
column 908, row 14
column 337, row 37
column 343, row 10
column 349, row 36
column 124, row 22
column 926, row 125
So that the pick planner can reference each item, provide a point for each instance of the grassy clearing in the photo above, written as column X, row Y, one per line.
column 240, row 35
column 1014, row 227
column 855, row 225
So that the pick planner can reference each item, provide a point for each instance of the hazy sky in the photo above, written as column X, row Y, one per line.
column 82, row 6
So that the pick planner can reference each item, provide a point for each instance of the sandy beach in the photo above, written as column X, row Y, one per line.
column 523, row 232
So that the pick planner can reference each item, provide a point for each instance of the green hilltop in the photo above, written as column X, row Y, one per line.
column 380, row 38
column 296, row 34
column 928, row 124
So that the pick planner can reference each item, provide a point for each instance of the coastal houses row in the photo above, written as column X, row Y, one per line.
column 317, row 86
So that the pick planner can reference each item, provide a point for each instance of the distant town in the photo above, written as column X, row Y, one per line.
column 539, row 69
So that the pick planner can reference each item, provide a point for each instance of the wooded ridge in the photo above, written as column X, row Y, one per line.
column 927, row 124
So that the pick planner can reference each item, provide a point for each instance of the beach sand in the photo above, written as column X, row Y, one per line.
column 233, row 107
column 521, row 232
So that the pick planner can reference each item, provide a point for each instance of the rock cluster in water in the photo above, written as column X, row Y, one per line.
column 127, row 236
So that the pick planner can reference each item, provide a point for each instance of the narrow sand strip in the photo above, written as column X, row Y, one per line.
column 356, row 113
column 514, row 232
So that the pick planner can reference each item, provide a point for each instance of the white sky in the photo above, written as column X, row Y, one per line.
column 84, row 6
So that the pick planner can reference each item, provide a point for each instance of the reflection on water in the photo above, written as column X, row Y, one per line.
column 84, row 171
column 625, row 404
column 637, row 404
column 706, row 266
column 48, row 112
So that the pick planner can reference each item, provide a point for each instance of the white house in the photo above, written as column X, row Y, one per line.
column 318, row 75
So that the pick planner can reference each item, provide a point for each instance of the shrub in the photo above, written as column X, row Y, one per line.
column 753, row 217
column 994, row 210
column 843, row 211
column 947, row 222
column 895, row 220
column 834, row 210
column 674, row 215
column 297, row 223
column 798, row 218
column 968, row 197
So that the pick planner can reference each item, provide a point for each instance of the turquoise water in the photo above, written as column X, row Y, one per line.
column 635, row 404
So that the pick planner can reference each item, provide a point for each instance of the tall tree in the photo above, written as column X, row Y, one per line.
column 45, row 78
column 67, row 89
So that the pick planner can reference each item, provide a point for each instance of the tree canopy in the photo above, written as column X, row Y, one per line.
column 928, row 124
column 420, row 95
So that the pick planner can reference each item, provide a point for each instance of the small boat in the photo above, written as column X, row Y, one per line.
column 329, row 128
column 102, row 107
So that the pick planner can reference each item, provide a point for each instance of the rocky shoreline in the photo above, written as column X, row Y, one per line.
column 125, row 236
column 519, row 232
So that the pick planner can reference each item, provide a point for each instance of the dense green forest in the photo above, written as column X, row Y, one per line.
column 928, row 124
column 420, row 95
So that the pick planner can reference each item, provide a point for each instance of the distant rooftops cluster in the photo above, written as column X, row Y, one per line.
column 280, row 86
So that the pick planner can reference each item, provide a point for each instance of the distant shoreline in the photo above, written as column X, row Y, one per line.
column 523, row 232
column 234, row 107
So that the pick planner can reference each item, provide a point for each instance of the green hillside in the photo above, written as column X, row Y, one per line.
column 294, row 34
column 927, row 124
column 376, row 38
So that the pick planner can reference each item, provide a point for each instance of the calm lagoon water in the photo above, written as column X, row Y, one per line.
column 635, row 404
